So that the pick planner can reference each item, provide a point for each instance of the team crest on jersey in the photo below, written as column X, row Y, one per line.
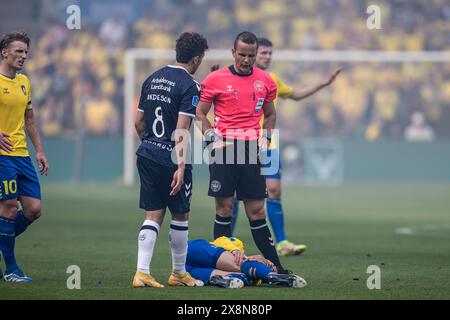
column 258, row 85
column 195, row 101
column 5, row 90
column 24, row 90
column 259, row 104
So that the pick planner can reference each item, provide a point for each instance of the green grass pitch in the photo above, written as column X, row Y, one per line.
column 346, row 228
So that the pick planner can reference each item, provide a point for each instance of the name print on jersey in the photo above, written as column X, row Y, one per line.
column 159, row 97
column 162, row 84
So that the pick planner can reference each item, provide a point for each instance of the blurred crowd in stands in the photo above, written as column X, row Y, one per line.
column 79, row 74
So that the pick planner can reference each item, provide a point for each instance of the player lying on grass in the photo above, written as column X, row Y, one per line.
column 223, row 263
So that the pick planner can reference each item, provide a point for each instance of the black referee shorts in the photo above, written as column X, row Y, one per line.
column 241, row 177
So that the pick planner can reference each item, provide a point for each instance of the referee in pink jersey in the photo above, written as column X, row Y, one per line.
column 241, row 95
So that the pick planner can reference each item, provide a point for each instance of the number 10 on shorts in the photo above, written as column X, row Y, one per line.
column 7, row 187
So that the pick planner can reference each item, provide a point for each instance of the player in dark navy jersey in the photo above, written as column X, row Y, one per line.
column 167, row 106
column 162, row 102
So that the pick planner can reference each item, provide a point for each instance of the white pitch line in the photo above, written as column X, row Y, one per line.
column 406, row 231
column 426, row 227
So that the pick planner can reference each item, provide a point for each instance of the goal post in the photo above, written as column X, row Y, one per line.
column 133, row 55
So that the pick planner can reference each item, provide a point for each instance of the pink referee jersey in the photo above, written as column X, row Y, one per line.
column 238, row 101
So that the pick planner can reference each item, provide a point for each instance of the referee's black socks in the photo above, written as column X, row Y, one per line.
column 264, row 241
column 222, row 227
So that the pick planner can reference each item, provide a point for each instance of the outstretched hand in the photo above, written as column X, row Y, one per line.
column 332, row 76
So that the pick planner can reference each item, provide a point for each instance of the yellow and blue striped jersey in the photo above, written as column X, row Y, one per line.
column 15, row 99
column 229, row 244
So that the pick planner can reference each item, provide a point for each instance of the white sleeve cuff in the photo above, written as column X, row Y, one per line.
column 187, row 114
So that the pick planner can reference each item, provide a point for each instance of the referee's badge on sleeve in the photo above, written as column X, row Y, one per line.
column 259, row 104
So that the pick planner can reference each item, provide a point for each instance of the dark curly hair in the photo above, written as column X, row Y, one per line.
column 10, row 37
column 190, row 45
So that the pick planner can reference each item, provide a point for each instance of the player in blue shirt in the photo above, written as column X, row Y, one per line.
column 223, row 263
column 166, row 108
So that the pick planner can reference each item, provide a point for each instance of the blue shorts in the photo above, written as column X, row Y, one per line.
column 275, row 161
column 18, row 178
column 202, row 258
column 155, row 187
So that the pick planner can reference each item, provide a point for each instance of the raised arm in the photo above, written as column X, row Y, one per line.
column 305, row 92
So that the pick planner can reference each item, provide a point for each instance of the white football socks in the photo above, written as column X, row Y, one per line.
column 178, row 238
column 146, row 244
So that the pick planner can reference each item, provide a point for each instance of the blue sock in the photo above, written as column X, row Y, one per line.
column 255, row 270
column 239, row 276
column 276, row 218
column 7, row 241
column 235, row 214
column 21, row 223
